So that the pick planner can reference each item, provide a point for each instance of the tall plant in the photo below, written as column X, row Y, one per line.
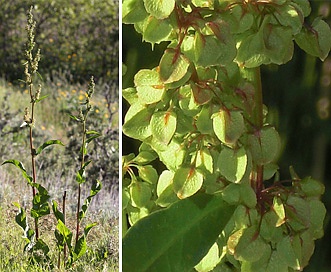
column 220, row 202
column 41, row 205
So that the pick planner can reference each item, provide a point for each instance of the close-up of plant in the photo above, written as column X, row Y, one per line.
column 205, row 191
column 72, row 243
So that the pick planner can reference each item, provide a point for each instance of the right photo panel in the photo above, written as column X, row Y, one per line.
column 226, row 135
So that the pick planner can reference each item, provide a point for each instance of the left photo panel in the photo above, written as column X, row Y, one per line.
column 59, row 131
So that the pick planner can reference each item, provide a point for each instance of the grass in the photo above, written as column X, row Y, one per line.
column 54, row 173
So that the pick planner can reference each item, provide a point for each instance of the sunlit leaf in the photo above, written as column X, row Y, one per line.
column 167, row 241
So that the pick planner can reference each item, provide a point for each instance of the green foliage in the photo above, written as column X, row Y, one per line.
column 38, row 249
column 201, row 113
column 80, row 37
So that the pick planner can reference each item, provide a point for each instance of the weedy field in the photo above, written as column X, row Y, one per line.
column 57, row 168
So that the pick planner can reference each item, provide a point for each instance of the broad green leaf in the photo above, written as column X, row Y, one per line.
column 317, row 216
column 297, row 213
column 276, row 262
column 204, row 122
column 286, row 251
column 80, row 247
column 133, row 11
column 159, row 8
column 312, row 187
column 173, row 155
column 137, row 126
column 173, row 66
column 302, row 5
column 268, row 229
column 150, row 88
column 289, row 15
column 250, row 245
column 248, row 196
column 232, row 163
column 186, row 101
column 20, row 166
column 22, row 221
column 47, row 144
column 136, row 214
column 187, row 181
column 315, row 40
column 164, row 181
column 219, row 48
column 145, row 157
column 228, row 126
column 231, row 194
column 157, row 30
column 201, row 95
column 148, row 173
column 210, row 260
column 141, row 194
column 130, row 95
column 238, row 19
column 65, row 232
column 163, row 126
column 167, row 241
column 40, row 202
column 165, row 191
column 264, row 145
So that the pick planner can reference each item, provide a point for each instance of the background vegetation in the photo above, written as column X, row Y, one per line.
column 77, row 39
column 298, row 95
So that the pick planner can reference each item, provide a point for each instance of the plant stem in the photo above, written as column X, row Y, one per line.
column 64, row 222
column 33, row 161
column 81, row 167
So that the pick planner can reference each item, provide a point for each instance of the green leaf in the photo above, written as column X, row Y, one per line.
column 58, row 215
column 219, row 48
column 80, row 247
column 297, row 213
column 247, row 245
column 163, row 126
column 95, row 189
column 148, row 173
column 210, row 260
column 40, row 202
column 145, row 157
column 20, row 166
column 159, row 9
column 264, row 145
column 137, row 126
column 133, row 11
column 278, row 207
column 47, row 144
column 164, row 190
column 65, row 232
column 80, row 177
column 167, row 241
column 228, row 126
column 141, row 194
column 315, row 40
column 150, row 89
column 231, row 194
column 42, row 98
column 157, row 30
column 187, row 181
column 312, row 187
column 204, row 160
column 204, row 122
column 173, row 66
column 317, row 216
column 232, row 163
